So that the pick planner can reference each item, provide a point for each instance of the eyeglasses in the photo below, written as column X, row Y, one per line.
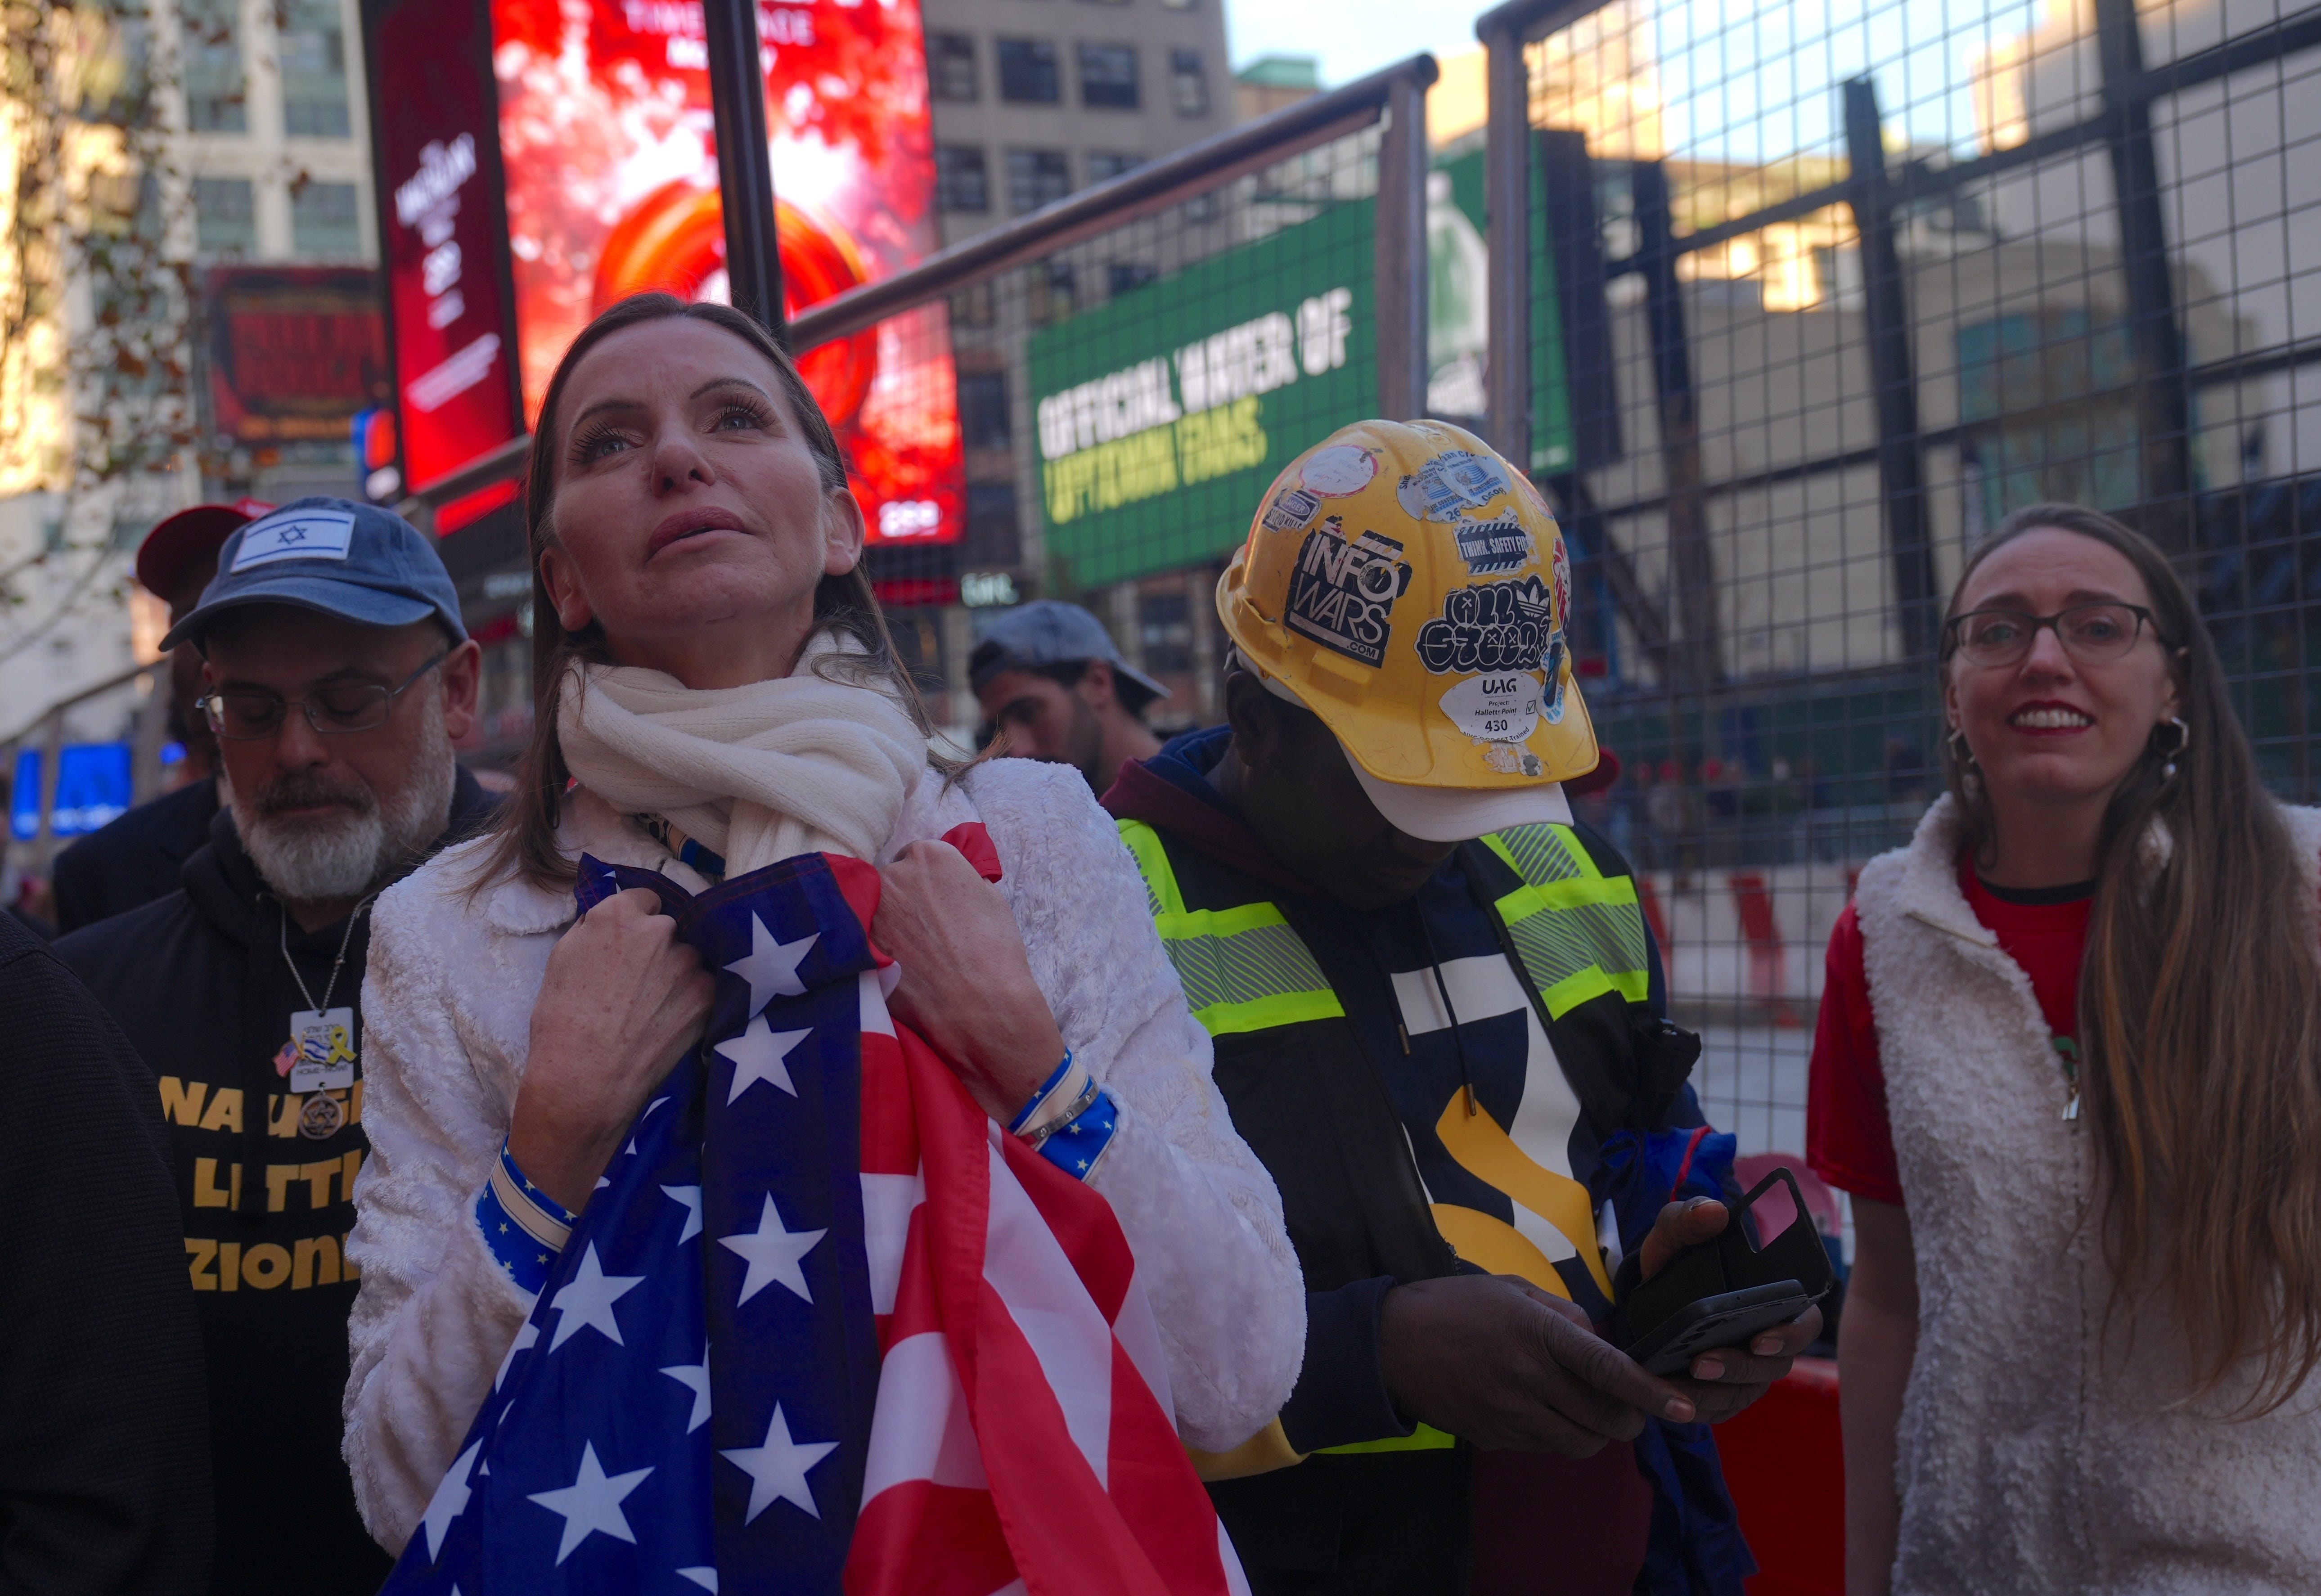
column 2090, row 633
column 248, row 716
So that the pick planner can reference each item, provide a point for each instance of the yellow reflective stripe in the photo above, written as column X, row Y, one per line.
column 1243, row 969
column 1579, row 932
column 1424, row 1439
column 1160, row 894
column 1262, row 1014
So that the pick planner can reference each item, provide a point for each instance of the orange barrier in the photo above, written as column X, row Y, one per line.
column 1785, row 1466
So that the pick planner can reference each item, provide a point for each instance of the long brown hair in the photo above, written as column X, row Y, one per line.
column 2199, row 1013
column 525, row 836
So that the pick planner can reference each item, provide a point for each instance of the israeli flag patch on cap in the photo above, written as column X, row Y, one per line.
column 295, row 534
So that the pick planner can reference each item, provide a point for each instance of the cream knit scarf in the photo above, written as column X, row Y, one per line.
column 797, row 765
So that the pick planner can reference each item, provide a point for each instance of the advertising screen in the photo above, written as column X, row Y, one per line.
column 294, row 351
column 1165, row 412
column 606, row 132
column 441, row 233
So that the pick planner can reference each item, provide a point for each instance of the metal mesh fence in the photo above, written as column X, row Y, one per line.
column 1842, row 286
column 1125, row 399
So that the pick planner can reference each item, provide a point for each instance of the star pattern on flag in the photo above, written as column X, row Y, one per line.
column 450, row 1500
column 695, row 1378
column 777, row 1469
column 690, row 1196
column 591, row 1504
column 707, row 1578
column 773, row 1252
column 586, row 1301
column 771, row 966
column 761, row 1054
column 526, row 1336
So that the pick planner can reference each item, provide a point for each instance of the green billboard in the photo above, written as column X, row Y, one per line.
column 1163, row 414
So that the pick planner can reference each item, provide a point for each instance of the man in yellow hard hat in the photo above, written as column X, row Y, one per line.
column 1438, row 1018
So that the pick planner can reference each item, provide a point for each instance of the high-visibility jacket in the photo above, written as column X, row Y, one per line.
column 1313, row 1105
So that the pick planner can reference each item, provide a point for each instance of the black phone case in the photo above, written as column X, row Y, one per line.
column 1728, row 1265
column 1715, row 1322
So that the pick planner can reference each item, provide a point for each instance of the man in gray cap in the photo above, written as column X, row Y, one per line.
column 1054, row 683
column 337, row 677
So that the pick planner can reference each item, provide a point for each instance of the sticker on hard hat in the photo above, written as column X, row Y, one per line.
column 1498, row 706
column 1341, row 469
column 1494, row 548
column 1491, row 626
column 1291, row 508
column 1455, row 481
column 1508, row 759
column 1341, row 595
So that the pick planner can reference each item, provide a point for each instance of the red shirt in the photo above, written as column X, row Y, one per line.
column 1848, row 1141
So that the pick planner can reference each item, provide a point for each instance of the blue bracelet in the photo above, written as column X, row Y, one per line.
column 524, row 1226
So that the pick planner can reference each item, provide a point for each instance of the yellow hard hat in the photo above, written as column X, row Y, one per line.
column 1410, row 588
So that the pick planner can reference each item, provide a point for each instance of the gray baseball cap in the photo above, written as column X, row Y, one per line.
column 1049, row 632
column 360, row 562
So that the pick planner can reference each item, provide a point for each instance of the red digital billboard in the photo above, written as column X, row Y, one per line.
column 294, row 351
column 608, row 139
column 434, row 128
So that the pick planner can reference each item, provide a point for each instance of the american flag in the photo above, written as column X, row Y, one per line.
column 824, row 1327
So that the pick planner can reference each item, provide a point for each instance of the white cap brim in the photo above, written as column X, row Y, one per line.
column 1461, row 814
column 1442, row 814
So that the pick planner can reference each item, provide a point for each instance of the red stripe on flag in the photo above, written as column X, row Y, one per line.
column 903, row 1524
column 1083, row 1221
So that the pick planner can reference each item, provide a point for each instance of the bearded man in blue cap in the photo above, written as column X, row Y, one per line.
column 337, row 677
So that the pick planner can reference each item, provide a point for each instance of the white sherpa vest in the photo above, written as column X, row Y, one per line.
column 2039, row 1448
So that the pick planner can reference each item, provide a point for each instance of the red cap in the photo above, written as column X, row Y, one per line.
column 1607, row 771
column 185, row 537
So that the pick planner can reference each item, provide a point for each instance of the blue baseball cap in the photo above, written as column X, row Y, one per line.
column 1049, row 632
column 358, row 563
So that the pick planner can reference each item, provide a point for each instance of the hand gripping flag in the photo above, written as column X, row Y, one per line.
column 824, row 1327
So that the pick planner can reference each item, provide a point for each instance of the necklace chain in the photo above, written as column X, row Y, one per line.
column 345, row 942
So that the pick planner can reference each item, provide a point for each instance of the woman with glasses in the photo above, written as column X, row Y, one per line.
column 2069, row 1066
column 722, row 721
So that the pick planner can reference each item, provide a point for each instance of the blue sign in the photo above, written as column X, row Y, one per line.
column 25, row 797
column 93, row 788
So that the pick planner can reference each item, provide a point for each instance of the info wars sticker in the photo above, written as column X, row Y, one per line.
column 1498, row 706
column 1341, row 595
column 1339, row 471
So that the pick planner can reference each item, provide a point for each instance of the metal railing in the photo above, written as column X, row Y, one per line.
column 1396, row 96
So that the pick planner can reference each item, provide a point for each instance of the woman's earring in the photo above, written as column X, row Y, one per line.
column 1962, row 756
column 2183, row 742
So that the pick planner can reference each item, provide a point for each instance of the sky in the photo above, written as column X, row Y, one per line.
column 1350, row 37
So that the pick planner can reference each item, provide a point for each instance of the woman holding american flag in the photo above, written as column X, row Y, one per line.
column 761, row 1197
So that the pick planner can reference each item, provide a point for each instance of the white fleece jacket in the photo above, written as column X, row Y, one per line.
column 2043, row 1446
column 447, row 1007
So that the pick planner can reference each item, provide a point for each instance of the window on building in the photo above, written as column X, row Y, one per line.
column 973, row 306
column 962, row 182
column 313, row 53
column 1036, row 177
column 1104, row 165
column 1164, row 625
column 1189, row 85
column 1123, row 276
column 1028, row 73
column 950, row 66
column 992, row 538
column 116, row 83
column 225, row 216
column 1109, row 76
column 983, row 410
column 211, row 54
column 323, row 220
column 1055, row 295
